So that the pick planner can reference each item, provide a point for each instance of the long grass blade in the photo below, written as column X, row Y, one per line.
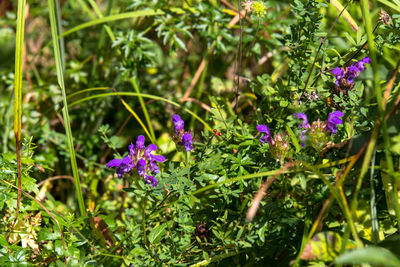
column 208, row 127
column 381, row 108
column 128, row 15
column 60, row 77
column 346, row 14
column 143, row 105
column 19, row 50
column 390, row 4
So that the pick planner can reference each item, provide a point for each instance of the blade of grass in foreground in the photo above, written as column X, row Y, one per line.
column 18, row 95
column 381, row 108
column 60, row 77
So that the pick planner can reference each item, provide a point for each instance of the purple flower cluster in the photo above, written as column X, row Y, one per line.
column 279, row 146
column 304, row 125
column 140, row 157
column 351, row 72
column 184, row 137
column 331, row 124
column 267, row 137
column 334, row 119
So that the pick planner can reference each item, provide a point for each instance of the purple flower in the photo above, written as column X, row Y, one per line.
column 141, row 167
column 123, row 165
column 182, row 137
column 360, row 65
column 366, row 60
column 334, row 120
column 339, row 73
column 267, row 133
column 151, row 180
column 305, row 124
column 187, row 141
column 179, row 123
column 142, row 158
column 352, row 73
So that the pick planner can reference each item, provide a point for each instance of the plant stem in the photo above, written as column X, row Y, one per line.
column 376, row 85
column 60, row 77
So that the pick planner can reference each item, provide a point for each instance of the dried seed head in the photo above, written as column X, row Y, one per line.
column 384, row 17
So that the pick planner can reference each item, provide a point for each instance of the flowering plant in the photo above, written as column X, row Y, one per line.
column 319, row 132
column 279, row 145
column 181, row 137
column 140, row 158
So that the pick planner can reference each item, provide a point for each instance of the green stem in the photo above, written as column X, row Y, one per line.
column 377, row 87
column 146, row 114
column 60, row 77
column 143, row 204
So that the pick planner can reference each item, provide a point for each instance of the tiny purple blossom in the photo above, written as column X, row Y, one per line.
column 187, row 141
column 141, row 167
column 352, row 73
column 140, row 142
column 366, row 60
column 153, row 167
column 151, row 180
column 304, row 124
column 123, row 165
column 339, row 73
column 148, row 150
column 267, row 133
column 179, row 123
column 334, row 120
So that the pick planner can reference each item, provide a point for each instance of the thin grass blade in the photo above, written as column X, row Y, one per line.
column 60, row 77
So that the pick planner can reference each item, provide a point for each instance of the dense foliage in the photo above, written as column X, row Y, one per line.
column 194, row 133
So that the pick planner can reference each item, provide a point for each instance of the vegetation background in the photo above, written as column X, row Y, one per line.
column 81, row 80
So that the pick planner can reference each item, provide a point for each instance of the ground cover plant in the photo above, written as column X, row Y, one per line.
column 195, row 133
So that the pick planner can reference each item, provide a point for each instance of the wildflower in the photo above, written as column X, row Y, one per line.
column 279, row 146
column 182, row 137
column 267, row 134
column 350, row 73
column 259, row 8
column 334, row 120
column 123, row 165
column 384, row 17
column 141, row 159
column 319, row 132
column 178, row 122
column 339, row 73
column 248, row 5
column 304, row 125
column 187, row 141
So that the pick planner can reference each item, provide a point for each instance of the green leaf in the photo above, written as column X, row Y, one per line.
column 371, row 255
column 158, row 233
column 3, row 241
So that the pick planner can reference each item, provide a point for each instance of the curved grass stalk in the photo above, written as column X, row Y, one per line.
column 144, row 96
column 143, row 105
column 88, row 90
column 60, row 77
column 18, row 96
column 151, row 137
column 128, row 15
